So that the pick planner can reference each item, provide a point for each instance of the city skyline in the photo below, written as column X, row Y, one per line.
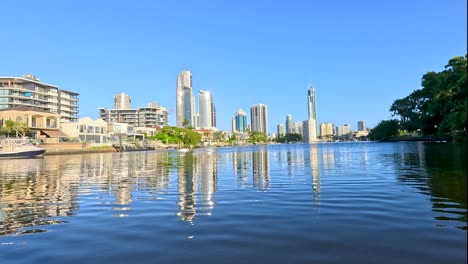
column 356, row 54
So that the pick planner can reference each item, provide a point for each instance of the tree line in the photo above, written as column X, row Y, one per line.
column 439, row 108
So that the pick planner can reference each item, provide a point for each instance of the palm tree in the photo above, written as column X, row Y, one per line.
column 20, row 128
column 185, row 123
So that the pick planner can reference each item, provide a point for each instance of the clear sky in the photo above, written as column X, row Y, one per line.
column 359, row 55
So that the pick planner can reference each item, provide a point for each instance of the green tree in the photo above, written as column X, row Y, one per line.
column 385, row 129
column 19, row 129
column 190, row 138
column 290, row 137
column 440, row 107
column 185, row 123
column 257, row 137
column 232, row 138
column 175, row 135
column 293, row 137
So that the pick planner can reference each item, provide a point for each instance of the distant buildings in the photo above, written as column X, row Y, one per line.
column 122, row 101
column 153, row 115
column 343, row 130
column 259, row 118
column 29, row 91
column 361, row 124
column 289, row 124
column 281, row 131
column 326, row 129
column 185, row 102
column 185, row 105
column 239, row 121
column 297, row 128
column 309, row 131
column 213, row 113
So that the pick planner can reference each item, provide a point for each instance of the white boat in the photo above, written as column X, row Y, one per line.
column 184, row 150
column 11, row 148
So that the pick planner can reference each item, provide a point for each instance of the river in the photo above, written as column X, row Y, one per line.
column 403, row 202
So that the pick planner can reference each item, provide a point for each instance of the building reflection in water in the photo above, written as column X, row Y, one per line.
column 241, row 165
column 315, row 171
column 40, row 192
column 32, row 191
column 294, row 158
column 197, row 173
column 328, row 158
column 261, row 170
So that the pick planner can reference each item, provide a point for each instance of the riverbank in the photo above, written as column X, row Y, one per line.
column 75, row 149
column 56, row 151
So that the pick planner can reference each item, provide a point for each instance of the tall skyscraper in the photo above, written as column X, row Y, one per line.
column 240, row 121
column 122, row 101
column 259, row 118
column 281, row 130
column 311, row 123
column 213, row 112
column 185, row 101
column 289, row 124
column 205, row 107
column 312, row 106
column 361, row 124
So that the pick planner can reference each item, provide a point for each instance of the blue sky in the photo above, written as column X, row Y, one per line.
column 359, row 55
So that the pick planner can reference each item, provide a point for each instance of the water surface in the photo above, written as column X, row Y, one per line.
column 285, row 203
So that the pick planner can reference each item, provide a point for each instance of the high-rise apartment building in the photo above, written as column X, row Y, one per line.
column 185, row 101
column 361, row 124
column 343, row 130
column 205, row 107
column 240, row 121
column 153, row 115
column 213, row 112
column 326, row 129
column 29, row 91
column 281, row 130
column 309, row 131
column 122, row 101
column 259, row 118
column 297, row 128
column 289, row 124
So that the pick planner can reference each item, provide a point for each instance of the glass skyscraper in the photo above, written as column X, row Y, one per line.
column 185, row 101
column 205, row 107
column 240, row 121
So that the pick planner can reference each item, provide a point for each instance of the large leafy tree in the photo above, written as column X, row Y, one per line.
column 440, row 107
column 19, row 129
column 257, row 137
column 385, row 129
column 175, row 135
